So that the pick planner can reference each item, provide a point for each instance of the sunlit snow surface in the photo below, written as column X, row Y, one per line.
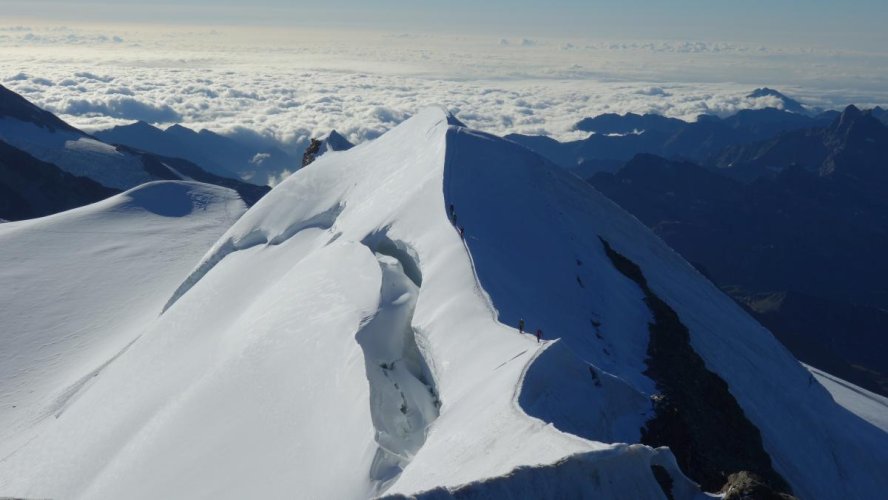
column 80, row 286
column 341, row 340
column 76, row 153
column 871, row 407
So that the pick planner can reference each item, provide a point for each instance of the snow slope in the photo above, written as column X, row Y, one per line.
column 342, row 341
column 79, row 286
column 867, row 405
column 76, row 153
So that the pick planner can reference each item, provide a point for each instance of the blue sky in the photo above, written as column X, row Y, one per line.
column 850, row 24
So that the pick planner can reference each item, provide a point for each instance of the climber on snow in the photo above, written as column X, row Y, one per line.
column 521, row 325
column 539, row 335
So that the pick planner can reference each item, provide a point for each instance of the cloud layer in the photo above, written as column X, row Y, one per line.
column 286, row 87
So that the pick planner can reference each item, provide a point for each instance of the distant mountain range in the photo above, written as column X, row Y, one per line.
column 74, row 168
column 853, row 147
column 615, row 139
column 787, row 212
column 215, row 153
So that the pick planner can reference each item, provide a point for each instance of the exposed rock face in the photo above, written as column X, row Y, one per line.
column 745, row 485
column 696, row 415
column 311, row 153
column 333, row 141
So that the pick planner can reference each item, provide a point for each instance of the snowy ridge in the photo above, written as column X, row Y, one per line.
column 341, row 340
column 579, row 296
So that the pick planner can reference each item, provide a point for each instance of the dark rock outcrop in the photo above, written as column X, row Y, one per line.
column 744, row 485
column 333, row 141
column 311, row 152
column 695, row 414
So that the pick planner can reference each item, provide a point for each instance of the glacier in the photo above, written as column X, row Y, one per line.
column 347, row 337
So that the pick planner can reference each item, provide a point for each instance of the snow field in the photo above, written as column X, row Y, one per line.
column 341, row 340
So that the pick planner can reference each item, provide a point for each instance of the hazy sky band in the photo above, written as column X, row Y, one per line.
column 854, row 24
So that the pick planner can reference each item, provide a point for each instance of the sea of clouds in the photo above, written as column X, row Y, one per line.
column 285, row 86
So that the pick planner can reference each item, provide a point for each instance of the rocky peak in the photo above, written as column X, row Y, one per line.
column 332, row 141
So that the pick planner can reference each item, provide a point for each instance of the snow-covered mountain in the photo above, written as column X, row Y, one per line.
column 49, row 139
column 31, row 188
column 354, row 334
column 215, row 153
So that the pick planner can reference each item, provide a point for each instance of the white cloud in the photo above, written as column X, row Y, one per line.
column 118, row 107
column 43, row 81
column 86, row 75
column 653, row 91
column 32, row 38
column 265, row 90
column 18, row 77
column 259, row 158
